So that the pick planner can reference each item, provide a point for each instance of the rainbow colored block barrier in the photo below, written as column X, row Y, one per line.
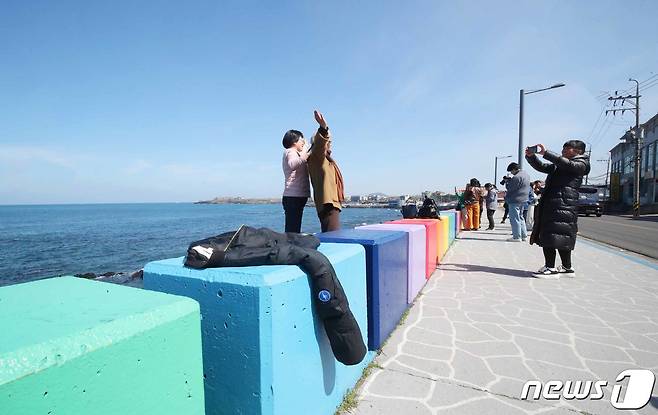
column 443, row 236
column 430, row 241
column 452, row 217
column 264, row 350
column 386, row 275
column 74, row 346
column 416, row 258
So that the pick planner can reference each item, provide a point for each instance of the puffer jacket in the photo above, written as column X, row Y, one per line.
column 556, row 215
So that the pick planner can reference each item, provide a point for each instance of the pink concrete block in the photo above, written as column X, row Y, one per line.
column 417, row 254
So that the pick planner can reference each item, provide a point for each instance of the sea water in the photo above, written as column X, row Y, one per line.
column 40, row 241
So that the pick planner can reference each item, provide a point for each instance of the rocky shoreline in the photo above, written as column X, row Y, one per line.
column 130, row 279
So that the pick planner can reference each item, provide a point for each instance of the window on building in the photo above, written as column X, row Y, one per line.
column 651, row 160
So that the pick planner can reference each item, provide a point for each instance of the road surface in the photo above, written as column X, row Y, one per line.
column 639, row 236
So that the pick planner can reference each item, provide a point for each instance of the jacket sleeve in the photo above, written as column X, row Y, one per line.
column 320, row 142
column 294, row 161
column 539, row 165
column 577, row 167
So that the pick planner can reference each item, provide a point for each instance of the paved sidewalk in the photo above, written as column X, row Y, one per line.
column 483, row 326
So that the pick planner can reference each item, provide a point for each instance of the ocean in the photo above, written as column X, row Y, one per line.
column 40, row 241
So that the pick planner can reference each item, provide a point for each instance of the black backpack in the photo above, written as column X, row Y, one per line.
column 429, row 210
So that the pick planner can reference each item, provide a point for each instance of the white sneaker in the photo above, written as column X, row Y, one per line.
column 547, row 273
column 513, row 239
column 568, row 272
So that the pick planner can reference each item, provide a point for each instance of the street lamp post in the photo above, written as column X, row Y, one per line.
column 495, row 180
column 521, row 94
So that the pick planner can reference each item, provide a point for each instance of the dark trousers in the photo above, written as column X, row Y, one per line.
column 294, row 209
column 565, row 256
column 525, row 214
column 506, row 214
column 490, row 214
column 482, row 203
column 329, row 218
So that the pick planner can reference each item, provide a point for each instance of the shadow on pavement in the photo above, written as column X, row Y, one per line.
column 480, row 239
column 483, row 268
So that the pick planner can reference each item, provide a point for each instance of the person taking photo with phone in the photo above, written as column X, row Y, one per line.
column 556, row 215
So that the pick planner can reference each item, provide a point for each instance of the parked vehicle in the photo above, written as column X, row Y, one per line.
column 589, row 202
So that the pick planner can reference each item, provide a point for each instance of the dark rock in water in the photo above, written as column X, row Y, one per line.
column 133, row 279
column 107, row 274
column 88, row 275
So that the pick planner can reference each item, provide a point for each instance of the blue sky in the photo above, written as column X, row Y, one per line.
column 180, row 101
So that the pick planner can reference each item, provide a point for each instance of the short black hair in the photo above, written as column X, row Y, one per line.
column 488, row 185
column 475, row 182
column 577, row 144
column 513, row 166
column 291, row 137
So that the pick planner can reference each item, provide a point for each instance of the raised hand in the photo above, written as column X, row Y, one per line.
column 320, row 119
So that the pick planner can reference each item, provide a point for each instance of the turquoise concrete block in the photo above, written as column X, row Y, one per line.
column 264, row 350
column 71, row 346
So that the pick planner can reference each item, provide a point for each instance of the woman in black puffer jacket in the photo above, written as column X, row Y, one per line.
column 556, row 216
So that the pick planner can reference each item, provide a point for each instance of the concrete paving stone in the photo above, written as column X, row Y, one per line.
column 488, row 318
column 639, row 341
column 442, row 302
column 390, row 406
column 598, row 351
column 486, row 405
column 542, row 325
column 537, row 349
column 395, row 366
column 618, row 341
column 430, row 337
column 436, row 324
column 471, row 369
column 544, row 316
column 393, row 384
column 539, row 334
column 646, row 360
column 512, row 367
column 508, row 310
column 596, row 330
column 580, row 319
column 508, row 387
column 457, row 315
column 494, row 330
column 608, row 370
column 432, row 367
column 620, row 315
column 467, row 332
column 426, row 351
column 639, row 327
column 489, row 348
column 433, row 311
column 447, row 393
column 547, row 371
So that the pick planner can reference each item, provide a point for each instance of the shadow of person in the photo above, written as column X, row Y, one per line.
column 509, row 272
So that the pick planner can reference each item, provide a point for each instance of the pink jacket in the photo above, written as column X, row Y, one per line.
column 296, row 173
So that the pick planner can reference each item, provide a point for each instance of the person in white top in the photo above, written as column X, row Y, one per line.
column 297, row 189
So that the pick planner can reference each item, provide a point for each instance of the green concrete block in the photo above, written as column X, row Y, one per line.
column 70, row 346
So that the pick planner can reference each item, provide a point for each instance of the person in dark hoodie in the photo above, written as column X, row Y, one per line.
column 556, row 215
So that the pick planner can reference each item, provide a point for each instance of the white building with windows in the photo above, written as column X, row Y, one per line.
column 622, row 168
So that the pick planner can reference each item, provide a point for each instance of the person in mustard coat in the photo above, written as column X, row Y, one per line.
column 326, row 178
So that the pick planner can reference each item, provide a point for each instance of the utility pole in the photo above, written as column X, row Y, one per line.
column 637, row 137
column 607, row 173
column 589, row 155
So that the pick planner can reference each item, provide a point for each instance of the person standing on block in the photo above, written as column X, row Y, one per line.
column 556, row 215
column 297, row 189
column 327, row 181
column 518, row 187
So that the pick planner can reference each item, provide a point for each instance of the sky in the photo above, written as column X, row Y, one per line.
column 168, row 101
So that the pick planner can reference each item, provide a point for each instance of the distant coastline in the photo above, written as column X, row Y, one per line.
column 238, row 201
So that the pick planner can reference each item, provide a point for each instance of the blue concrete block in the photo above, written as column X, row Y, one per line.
column 452, row 214
column 387, row 255
column 264, row 350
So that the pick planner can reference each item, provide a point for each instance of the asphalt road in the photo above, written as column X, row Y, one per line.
column 639, row 236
